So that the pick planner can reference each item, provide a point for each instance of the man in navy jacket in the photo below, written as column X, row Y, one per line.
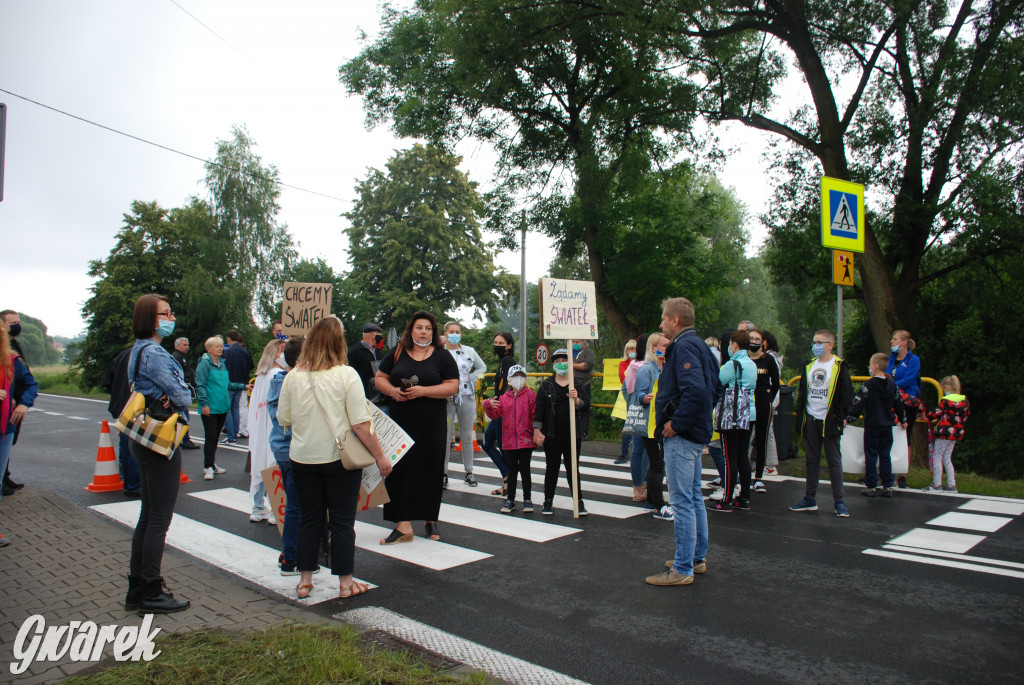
column 687, row 392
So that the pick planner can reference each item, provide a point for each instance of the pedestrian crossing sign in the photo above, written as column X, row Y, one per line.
column 842, row 214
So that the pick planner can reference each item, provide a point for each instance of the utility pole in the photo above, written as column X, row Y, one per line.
column 522, row 297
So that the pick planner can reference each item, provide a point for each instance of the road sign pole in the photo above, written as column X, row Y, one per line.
column 839, row 318
column 522, row 303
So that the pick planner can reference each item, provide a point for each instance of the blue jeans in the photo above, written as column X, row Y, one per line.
column 129, row 467
column 5, row 449
column 638, row 462
column 292, row 513
column 232, row 421
column 492, row 445
column 717, row 456
column 682, row 467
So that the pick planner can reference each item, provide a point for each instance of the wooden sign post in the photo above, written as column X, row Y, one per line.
column 568, row 310
column 304, row 305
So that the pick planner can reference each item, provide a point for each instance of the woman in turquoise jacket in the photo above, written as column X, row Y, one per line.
column 212, row 388
column 738, row 371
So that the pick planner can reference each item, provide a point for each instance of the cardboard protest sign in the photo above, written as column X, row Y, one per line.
column 395, row 443
column 568, row 309
column 275, row 491
column 304, row 305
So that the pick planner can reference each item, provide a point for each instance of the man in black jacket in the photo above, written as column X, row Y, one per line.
column 239, row 362
column 115, row 381
column 180, row 355
column 363, row 357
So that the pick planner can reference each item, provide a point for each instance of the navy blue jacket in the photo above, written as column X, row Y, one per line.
column 689, row 384
column 239, row 363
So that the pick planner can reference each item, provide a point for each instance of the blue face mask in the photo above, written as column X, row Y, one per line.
column 165, row 328
column 895, row 349
column 817, row 349
column 659, row 353
column 632, row 355
column 454, row 338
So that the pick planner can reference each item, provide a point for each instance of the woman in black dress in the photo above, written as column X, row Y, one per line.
column 419, row 376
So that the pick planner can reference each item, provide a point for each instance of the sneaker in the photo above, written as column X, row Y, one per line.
column 902, row 482
column 4, row 541
column 649, row 507
column 863, row 481
column 841, row 510
column 291, row 568
column 621, row 460
column 949, row 488
column 527, row 506
column 665, row 514
column 887, row 492
column 736, row 491
column 546, row 509
column 471, row 480
column 444, row 482
column 218, row 470
column 280, row 559
column 743, row 504
column 258, row 516
column 718, row 495
column 243, row 435
column 229, row 441
column 932, row 488
column 723, row 507
column 759, row 487
column 870, row 492
column 208, row 474
column 700, row 566
column 716, row 483
column 583, row 510
column 771, row 471
column 805, row 505
column 669, row 577
column 272, row 520
column 508, row 507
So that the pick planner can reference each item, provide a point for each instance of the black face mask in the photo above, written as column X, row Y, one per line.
column 15, row 330
column 377, row 339
column 755, row 347
column 500, row 350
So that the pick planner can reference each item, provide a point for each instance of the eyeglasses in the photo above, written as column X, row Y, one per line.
column 755, row 341
column 167, row 313
column 822, row 342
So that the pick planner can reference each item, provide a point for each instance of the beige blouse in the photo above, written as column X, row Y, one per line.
column 340, row 391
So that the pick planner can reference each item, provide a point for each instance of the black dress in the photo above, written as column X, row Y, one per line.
column 414, row 485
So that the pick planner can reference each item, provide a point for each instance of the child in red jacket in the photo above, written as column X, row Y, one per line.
column 949, row 419
column 516, row 409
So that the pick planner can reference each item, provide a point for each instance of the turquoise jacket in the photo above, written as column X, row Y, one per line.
column 748, row 376
column 212, row 385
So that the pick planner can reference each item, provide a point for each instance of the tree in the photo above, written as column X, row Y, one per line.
column 243, row 198
column 415, row 240
column 556, row 88
column 35, row 343
column 925, row 109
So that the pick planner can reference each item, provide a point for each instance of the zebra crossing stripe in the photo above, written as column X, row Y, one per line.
column 245, row 558
column 431, row 554
column 594, row 507
column 505, row 668
column 587, row 486
column 523, row 527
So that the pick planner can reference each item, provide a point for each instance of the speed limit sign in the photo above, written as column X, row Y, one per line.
column 542, row 354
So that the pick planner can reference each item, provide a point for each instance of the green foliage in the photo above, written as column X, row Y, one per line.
column 243, row 197
column 415, row 240
column 35, row 343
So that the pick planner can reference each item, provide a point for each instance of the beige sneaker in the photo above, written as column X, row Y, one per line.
column 698, row 566
column 669, row 577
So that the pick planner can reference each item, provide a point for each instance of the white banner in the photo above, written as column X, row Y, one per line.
column 852, row 449
column 568, row 309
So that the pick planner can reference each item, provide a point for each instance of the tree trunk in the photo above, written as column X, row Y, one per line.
column 879, row 295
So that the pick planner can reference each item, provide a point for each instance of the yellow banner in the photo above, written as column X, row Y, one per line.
column 611, row 374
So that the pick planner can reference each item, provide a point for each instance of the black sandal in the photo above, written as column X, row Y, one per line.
column 395, row 537
column 432, row 530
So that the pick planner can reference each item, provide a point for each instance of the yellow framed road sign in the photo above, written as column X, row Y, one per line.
column 842, row 214
column 842, row 267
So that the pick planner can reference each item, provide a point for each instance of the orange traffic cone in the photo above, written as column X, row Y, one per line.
column 476, row 446
column 184, row 478
column 106, row 477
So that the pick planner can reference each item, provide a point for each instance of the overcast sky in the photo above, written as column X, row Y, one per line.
column 148, row 68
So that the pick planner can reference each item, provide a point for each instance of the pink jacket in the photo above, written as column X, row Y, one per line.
column 516, row 413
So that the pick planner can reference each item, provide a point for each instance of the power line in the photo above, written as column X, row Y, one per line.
column 164, row 147
column 219, row 37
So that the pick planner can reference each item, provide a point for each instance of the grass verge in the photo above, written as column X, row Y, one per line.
column 60, row 380
column 969, row 483
column 283, row 654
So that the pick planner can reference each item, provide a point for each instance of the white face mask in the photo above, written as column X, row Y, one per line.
column 423, row 344
column 281, row 362
column 517, row 382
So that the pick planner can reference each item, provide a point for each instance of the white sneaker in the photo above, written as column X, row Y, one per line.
column 207, row 474
column 665, row 513
column 218, row 470
column 718, row 495
column 771, row 471
column 258, row 516
column 736, row 491
column 759, row 487
column 271, row 520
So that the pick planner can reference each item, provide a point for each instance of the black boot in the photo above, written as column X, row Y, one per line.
column 157, row 599
column 133, row 600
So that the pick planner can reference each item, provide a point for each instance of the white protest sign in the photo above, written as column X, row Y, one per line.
column 568, row 309
column 852, row 448
column 395, row 443
column 304, row 305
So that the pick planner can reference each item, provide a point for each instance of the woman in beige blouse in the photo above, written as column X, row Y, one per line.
column 321, row 398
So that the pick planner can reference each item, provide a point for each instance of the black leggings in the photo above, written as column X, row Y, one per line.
column 327, row 488
column 655, row 472
column 160, row 477
column 556, row 451
column 761, row 434
column 518, row 462
column 736, row 444
column 211, row 436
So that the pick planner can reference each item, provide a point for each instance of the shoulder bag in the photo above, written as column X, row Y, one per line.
column 148, row 422
column 354, row 455
column 733, row 411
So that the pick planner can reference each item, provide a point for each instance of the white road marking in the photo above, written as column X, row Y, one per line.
column 1011, row 508
column 502, row 666
column 941, row 540
column 955, row 519
column 950, row 555
column 250, row 560
column 519, row 526
column 587, row 486
column 79, row 418
column 949, row 563
column 431, row 554
column 595, row 507
column 52, row 413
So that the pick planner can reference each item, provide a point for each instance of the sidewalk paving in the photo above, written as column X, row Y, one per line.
column 68, row 565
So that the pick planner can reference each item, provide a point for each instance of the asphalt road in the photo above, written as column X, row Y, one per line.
column 788, row 598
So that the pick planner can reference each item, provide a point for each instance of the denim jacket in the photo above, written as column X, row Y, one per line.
column 158, row 375
column 280, row 436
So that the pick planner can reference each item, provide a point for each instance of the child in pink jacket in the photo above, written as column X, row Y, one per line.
column 516, row 408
